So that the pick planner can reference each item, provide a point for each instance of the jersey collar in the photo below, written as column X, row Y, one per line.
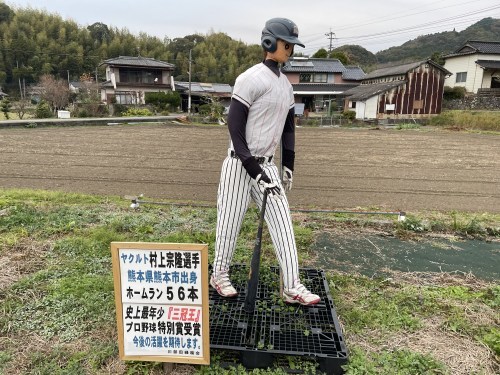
column 273, row 65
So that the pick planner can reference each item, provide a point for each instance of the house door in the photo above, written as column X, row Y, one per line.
column 495, row 82
column 308, row 102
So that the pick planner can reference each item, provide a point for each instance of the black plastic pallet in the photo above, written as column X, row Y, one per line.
column 275, row 328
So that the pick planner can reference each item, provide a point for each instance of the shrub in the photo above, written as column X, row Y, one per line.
column 5, row 106
column 83, row 113
column 131, row 112
column 349, row 115
column 119, row 109
column 451, row 93
column 43, row 110
column 162, row 100
column 213, row 110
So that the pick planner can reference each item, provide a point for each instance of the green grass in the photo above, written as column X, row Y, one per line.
column 57, row 298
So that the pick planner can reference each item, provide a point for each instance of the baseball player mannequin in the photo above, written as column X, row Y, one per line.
column 260, row 116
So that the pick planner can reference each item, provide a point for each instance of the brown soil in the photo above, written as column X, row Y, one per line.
column 335, row 168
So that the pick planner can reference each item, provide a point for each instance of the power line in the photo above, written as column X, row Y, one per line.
column 452, row 21
column 331, row 36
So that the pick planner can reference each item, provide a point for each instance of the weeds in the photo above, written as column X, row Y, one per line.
column 395, row 362
column 57, row 303
column 468, row 120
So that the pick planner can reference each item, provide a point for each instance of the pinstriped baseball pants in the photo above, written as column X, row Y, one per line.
column 236, row 188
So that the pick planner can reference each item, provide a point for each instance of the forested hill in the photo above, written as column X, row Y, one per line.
column 34, row 43
column 425, row 46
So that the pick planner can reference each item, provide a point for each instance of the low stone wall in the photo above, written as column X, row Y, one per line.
column 491, row 103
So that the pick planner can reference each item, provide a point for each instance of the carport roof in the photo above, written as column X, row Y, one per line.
column 207, row 88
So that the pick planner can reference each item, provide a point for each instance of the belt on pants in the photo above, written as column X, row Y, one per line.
column 260, row 159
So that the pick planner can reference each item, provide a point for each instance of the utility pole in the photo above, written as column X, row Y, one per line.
column 97, row 81
column 189, row 91
column 331, row 35
column 20, row 88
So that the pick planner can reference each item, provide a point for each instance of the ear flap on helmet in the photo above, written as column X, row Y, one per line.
column 269, row 43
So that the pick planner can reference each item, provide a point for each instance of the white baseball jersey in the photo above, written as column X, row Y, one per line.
column 269, row 98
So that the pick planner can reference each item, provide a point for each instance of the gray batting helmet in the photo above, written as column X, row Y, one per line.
column 279, row 28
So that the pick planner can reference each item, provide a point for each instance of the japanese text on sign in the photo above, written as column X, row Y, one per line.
column 161, row 303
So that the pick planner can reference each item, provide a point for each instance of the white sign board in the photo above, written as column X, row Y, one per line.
column 161, row 295
column 299, row 109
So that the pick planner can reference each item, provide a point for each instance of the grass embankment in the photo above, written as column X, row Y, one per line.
column 57, row 299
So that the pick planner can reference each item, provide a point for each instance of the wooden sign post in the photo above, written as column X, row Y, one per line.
column 161, row 296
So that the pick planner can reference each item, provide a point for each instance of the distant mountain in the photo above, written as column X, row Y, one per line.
column 357, row 55
column 425, row 46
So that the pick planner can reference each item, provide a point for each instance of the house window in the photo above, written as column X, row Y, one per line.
column 139, row 75
column 305, row 77
column 320, row 77
column 461, row 77
column 126, row 97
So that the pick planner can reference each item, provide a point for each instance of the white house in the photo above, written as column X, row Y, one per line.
column 474, row 66
column 129, row 78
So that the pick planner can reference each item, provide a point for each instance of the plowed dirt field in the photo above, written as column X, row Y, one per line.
column 336, row 168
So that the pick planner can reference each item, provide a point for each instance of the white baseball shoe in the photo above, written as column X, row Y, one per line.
column 222, row 285
column 300, row 294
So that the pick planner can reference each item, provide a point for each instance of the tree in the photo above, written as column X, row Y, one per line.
column 100, row 32
column 55, row 92
column 321, row 54
column 344, row 59
column 20, row 106
column 6, row 14
column 437, row 57
column 5, row 107
column 88, row 96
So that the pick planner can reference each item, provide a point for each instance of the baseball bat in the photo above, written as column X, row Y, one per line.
column 253, row 274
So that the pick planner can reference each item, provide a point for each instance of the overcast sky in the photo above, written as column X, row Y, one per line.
column 375, row 25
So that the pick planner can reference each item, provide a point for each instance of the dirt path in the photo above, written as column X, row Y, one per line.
column 335, row 168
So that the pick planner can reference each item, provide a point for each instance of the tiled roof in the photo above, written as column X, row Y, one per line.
column 353, row 73
column 364, row 92
column 489, row 64
column 401, row 69
column 393, row 70
column 138, row 61
column 475, row 46
column 482, row 47
column 312, row 65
